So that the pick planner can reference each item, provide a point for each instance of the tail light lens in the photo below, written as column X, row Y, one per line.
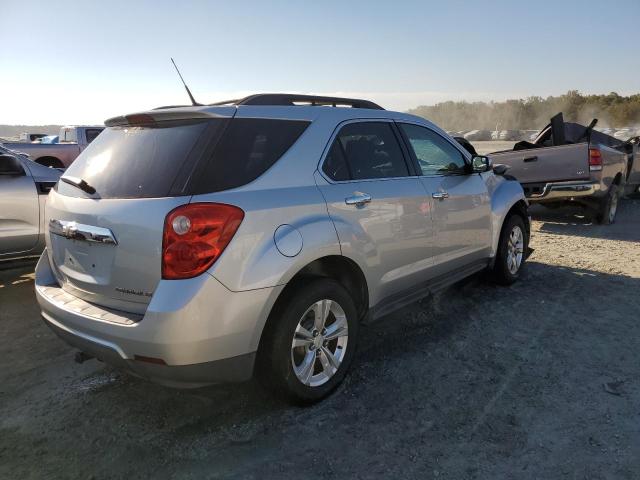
column 195, row 235
column 595, row 160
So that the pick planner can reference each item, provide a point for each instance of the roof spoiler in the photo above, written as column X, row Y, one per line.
column 151, row 118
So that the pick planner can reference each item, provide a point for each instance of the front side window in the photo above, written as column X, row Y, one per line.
column 370, row 150
column 435, row 155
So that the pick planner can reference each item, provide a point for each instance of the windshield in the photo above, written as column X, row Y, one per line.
column 138, row 161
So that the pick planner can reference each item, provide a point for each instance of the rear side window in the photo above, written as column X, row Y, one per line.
column 371, row 150
column 137, row 161
column 247, row 149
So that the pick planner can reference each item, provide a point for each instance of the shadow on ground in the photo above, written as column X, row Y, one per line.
column 576, row 221
column 537, row 380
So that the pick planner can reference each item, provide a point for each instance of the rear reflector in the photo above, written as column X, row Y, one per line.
column 157, row 361
column 195, row 235
column 595, row 160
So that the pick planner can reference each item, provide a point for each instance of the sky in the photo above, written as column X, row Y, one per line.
column 81, row 62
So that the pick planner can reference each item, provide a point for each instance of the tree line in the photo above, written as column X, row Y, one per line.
column 532, row 113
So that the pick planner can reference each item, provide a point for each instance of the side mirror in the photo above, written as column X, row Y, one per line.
column 481, row 163
column 10, row 166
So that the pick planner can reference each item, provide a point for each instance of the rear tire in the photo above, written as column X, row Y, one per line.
column 51, row 162
column 301, row 360
column 512, row 248
column 608, row 208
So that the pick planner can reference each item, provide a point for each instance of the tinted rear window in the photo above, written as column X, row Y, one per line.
column 247, row 149
column 92, row 133
column 137, row 161
column 170, row 158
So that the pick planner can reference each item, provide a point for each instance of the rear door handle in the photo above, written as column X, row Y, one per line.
column 358, row 199
column 440, row 195
column 530, row 159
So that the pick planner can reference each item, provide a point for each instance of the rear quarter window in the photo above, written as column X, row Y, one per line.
column 247, row 149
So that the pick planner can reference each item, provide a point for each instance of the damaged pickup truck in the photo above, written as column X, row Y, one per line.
column 571, row 163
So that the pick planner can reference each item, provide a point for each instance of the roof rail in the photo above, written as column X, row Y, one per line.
column 290, row 99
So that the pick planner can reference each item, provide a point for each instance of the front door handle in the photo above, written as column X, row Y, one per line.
column 358, row 199
column 530, row 159
column 440, row 195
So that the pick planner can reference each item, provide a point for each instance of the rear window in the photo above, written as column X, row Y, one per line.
column 247, row 149
column 170, row 158
column 92, row 133
column 138, row 161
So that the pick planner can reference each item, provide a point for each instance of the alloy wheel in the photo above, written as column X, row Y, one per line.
column 515, row 250
column 319, row 343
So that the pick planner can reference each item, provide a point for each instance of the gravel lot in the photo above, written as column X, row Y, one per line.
column 539, row 380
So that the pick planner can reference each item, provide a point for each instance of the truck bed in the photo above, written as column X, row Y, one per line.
column 64, row 153
column 547, row 164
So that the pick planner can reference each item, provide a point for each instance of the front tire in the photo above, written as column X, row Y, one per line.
column 512, row 248
column 309, row 342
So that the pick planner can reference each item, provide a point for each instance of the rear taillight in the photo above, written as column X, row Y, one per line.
column 195, row 235
column 595, row 160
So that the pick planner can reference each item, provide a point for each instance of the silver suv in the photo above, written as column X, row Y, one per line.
column 196, row 245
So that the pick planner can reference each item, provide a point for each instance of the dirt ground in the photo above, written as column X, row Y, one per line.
column 538, row 380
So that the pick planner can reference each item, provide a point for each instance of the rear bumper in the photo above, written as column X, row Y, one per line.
column 201, row 332
column 561, row 191
column 233, row 369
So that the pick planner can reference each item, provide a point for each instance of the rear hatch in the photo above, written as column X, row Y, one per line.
column 547, row 164
column 105, row 217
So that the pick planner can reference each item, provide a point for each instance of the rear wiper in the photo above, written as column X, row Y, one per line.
column 79, row 183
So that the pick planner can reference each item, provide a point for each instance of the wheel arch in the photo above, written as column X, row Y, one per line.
column 508, row 199
column 339, row 268
column 336, row 267
column 617, row 180
column 49, row 161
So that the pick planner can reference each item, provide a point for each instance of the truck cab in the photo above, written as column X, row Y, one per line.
column 71, row 141
column 83, row 136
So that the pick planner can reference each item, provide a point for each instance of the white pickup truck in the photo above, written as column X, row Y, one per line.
column 72, row 141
